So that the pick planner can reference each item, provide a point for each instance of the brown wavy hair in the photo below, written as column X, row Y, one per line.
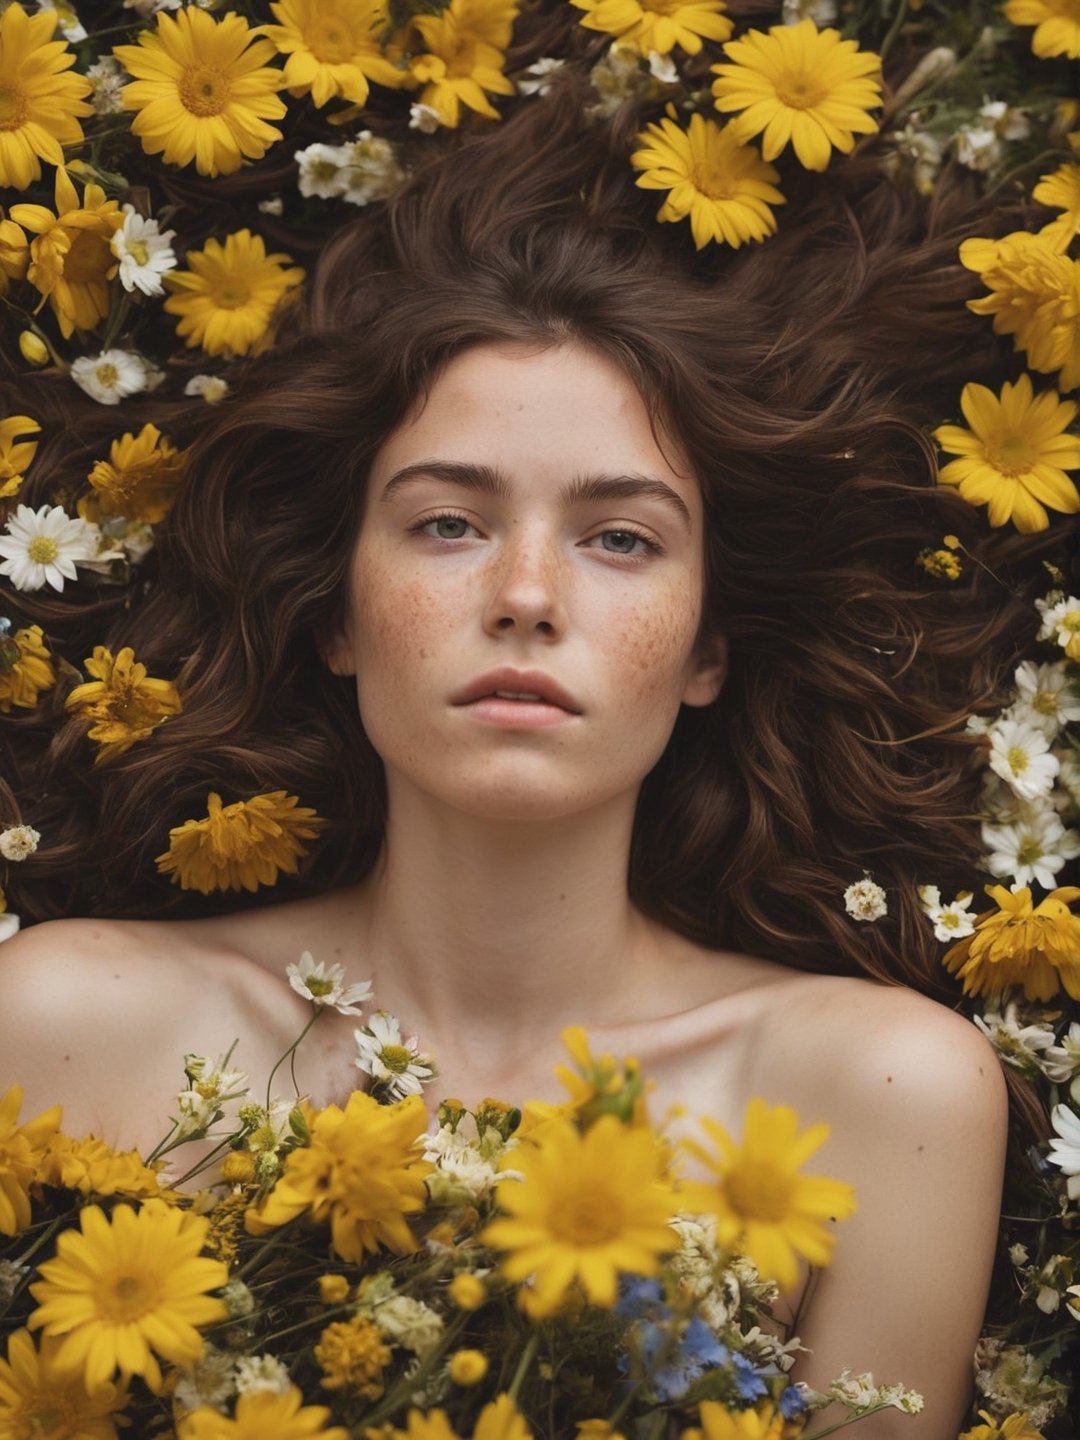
column 799, row 378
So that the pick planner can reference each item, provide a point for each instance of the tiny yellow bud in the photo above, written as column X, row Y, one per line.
column 333, row 1289
column 468, row 1367
column 467, row 1292
column 238, row 1167
column 33, row 349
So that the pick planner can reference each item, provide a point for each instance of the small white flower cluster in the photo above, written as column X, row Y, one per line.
column 617, row 77
column 18, row 842
column 211, row 1086
column 114, row 374
column 108, row 79
column 359, row 171
column 218, row 1376
column 396, row 1065
column 401, row 1319
column 865, row 900
column 1028, row 1041
column 860, row 1395
column 467, row 1165
column 979, row 144
column 1012, row 1379
column 916, row 152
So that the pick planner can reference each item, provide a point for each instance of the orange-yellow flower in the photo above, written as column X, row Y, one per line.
column 15, row 457
column 26, row 668
column 657, row 26
column 239, row 846
column 1021, row 945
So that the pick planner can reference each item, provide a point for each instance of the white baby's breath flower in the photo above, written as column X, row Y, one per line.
column 464, row 1172
column 262, row 1375
column 272, row 205
column 916, row 152
column 1061, row 622
column 1020, row 754
column 1008, row 121
column 239, row 1299
column 1069, row 779
column 145, row 8
column 950, row 921
column 864, row 900
column 410, row 1323
column 108, row 80
column 536, row 78
column 211, row 1381
column 616, row 77
column 1072, row 1304
column 320, row 170
column 212, row 388
column 326, row 988
column 1018, row 1255
column 977, row 146
column 1064, row 1151
column 18, row 841
column 42, row 547
column 144, row 252
column 370, row 170
column 424, row 118
column 1033, row 847
column 112, row 375
column 396, row 1066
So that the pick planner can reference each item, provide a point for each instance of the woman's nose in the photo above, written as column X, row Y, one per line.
column 525, row 594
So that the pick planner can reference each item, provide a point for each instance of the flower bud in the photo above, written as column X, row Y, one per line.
column 468, row 1367
column 33, row 349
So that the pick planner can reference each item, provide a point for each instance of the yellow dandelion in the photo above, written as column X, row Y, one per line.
column 941, row 564
column 202, row 91
column 658, row 25
column 352, row 1356
column 724, row 187
column 1016, row 1426
column 239, row 846
column 122, row 703
column 1034, row 296
column 93, row 1168
column 1057, row 25
column 459, row 66
column 1014, row 457
column 40, row 104
column 764, row 1207
column 262, row 1416
column 589, row 1207
column 15, row 457
column 1021, row 945
column 41, row 1401
column 802, row 86
column 361, row 1172
column 26, row 668
column 1060, row 190
column 21, row 1149
column 332, row 47
column 227, row 298
column 720, row 1423
column 71, row 260
column 127, row 1287
column 140, row 478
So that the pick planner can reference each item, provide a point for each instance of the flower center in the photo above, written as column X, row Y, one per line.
column 89, row 259
column 1045, row 702
column 43, row 550
column 757, row 1190
column 41, row 1416
column 587, row 1220
column 107, row 375
column 204, row 90
column 1018, row 759
column 139, row 251
column 799, row 92
column 331, row 41
column 232, row 294
column 12, row 108
column 1012, row 455
column 1029, row 851
column 315, row 986
column 395, row 1058
column 127, row 1299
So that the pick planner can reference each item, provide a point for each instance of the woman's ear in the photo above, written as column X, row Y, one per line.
column 708, row 671
column 337, row 653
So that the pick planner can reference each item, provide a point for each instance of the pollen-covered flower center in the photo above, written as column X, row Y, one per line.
column 1028, row 851
column 1018, row 759
column 204, row 90
column 712, row 178
column 396, row 1058
column 331, row 41
column 800, row 91
column 12, row 108
column 590, row 1219
column 43, row 550
column 40, row 1416
column 315, row 986
column 139, row 251
column 231, row 293
column 107, row 375
column 1012, row 455
column 759, row 1190
column 127, row 1298
column 89, row 258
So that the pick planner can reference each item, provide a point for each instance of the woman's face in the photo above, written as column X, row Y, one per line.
column 526, row 590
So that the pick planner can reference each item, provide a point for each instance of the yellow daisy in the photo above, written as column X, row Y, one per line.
column 801, row 86
column 227, row 298
column 500, row 1420
column 71, row 260
column 724, row 187
column 658, row 25
column 361, row 1172
column 1034, row 296
column 1014, row 457
column 122, row 703
column 15, row 458
column 26, row 668
column 1016, row 1426
column 41, row 1401
column 332, row 47
column 1057, row 25
column 140, row 478
column 262, row 1416
column 589, row 1207
column 21, row 1149
column 40, row 105
column 239, row 846
column 460, row 64
column 127, row 1287
column 720, row 1423
column 764, row 1207
column 1060, row 190
column 94, row 1168
column 1018, row 944
column 202, row 90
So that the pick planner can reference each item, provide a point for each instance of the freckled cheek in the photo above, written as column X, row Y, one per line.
column 655, row 641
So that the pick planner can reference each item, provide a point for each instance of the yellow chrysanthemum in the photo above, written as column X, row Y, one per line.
column 40, row 1401
column 500, row 1420
column 122, row 703
column 460, row 64
column 720, row 1423
column 1057, row 25
column 71, row 260
column 15, row 458
column 94, row 1168
column 589, row 1207
column 1017, row 1426
column 40, row 105
column 21, row 1149
column 332, row 47
column 26, row 668
column 361, row 1172
column 127, row 1287
column 764, row 1207
column 140, row 478
column 202, row 90
column 724, row 187
column 352, row 1356
column 801, row 86
column 262, row 1416
column 239, row 846
column 1034, row 295
column 1014, row 457
column 1036, row 947
column 658, row 25
column 1060, row 190
column 227, row 298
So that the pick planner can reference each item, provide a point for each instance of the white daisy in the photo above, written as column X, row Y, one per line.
column 1021, row 1045
column 326, row 988
column 108, row 80
column 320, row 170
column 144, row 252
column 18, row 841
column 1047, row 695
column 1019, row 753
column 212, row 388
column 1064, row 1149
column 536, row 78
column 865, row 901
column 211, row 1085
column 1060, row 621
column 1060, row 1063
column 42, row 547
column 950, row 921
column 1033, row 845
column 396, row 1066
column 370, row 171
column 112, row 375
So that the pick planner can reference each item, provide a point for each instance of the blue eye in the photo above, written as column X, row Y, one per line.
column 449, row 527
column 621, row 542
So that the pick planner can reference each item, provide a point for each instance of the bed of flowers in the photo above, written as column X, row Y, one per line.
column 168, row 172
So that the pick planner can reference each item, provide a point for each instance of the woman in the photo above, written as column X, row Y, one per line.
column 574, row 587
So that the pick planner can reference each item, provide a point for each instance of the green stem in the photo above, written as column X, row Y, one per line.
column 528, row 1355
column 843, row 1424
column 291, row 1052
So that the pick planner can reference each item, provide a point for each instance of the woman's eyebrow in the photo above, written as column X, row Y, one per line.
column 465, row 474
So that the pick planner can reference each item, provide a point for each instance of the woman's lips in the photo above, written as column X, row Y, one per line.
column 517, row 691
